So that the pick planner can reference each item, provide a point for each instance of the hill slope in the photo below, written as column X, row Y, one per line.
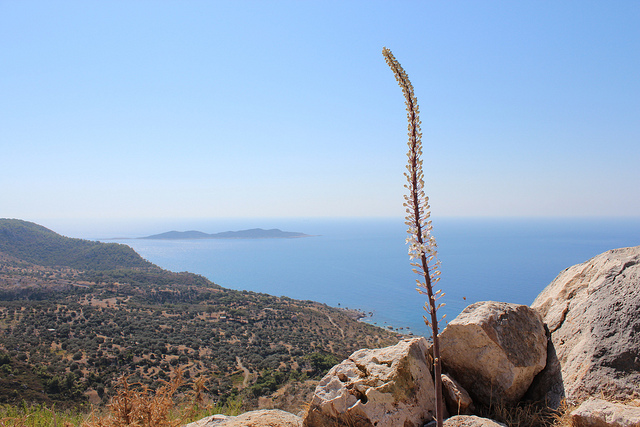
column 67, row 331
column 39, row 245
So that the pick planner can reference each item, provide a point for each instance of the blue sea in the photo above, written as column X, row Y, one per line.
column 363, row 263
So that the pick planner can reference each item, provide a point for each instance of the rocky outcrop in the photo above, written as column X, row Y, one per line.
column 471, row 421
column 386, row 387
column 600, row 413
column 494, row 350
column 261, row 418
column 591, row 310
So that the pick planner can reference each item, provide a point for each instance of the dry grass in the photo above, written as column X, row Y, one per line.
column 136, row 405
column 563, row 418
column 529, row 415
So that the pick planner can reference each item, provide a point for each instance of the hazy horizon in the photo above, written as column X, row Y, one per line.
column 115, row 228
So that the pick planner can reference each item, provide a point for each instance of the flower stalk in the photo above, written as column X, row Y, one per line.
column 422, row 245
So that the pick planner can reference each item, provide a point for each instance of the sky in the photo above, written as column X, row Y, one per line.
column 240, row 109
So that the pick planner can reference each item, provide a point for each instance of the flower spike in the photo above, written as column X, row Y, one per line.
column 422, row 245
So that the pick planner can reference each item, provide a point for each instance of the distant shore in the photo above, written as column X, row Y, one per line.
column 356, row 314
column 254, row 233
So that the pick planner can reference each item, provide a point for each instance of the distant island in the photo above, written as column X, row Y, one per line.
column 254, row 233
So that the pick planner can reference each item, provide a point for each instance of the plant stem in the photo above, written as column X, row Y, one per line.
column 417, row 220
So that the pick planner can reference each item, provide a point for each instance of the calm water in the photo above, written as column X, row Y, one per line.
column 364, row 264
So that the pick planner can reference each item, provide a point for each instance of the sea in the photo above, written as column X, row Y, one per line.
column 363, row 263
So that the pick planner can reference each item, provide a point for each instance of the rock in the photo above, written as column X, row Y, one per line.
column 494, row 350
column 456, row 397
column 261, row 418
column 212, row 420
column 591, row 310
column 385, row 387
column 600, row 413
column 471, row 421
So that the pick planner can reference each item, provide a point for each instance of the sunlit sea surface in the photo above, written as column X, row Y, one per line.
column 363, row 263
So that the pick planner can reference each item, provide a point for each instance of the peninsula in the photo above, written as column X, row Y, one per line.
column 254, row 233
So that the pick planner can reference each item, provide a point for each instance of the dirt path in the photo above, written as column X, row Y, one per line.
column 336, row 325
column 247, row 373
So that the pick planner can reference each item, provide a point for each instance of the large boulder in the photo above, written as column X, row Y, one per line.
column 385, row 387
column 600, row 413
column 260, row 418
column 494, row 350
column 592, row 312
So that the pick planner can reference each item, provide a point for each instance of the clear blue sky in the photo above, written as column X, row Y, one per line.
column 205, row 109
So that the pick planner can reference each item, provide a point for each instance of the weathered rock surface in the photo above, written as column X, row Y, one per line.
column 471, row 421
column 261, row 418
column 385, row 387
column 456, row 397
column 592, row 311
column 600, row 413
column 494, row 350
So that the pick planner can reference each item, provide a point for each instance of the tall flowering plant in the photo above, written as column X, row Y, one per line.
column 422, row 245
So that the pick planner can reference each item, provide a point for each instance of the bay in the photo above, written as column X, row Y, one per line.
column 363, row 263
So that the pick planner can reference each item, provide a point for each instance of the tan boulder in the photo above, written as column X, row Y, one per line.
column 385, row 387
column 600, row 413
column 260, row 418
column 591, row 310
column 456, row 397
column 494, row 350
column 471, row 421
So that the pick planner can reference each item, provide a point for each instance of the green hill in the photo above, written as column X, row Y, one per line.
column 39, row 245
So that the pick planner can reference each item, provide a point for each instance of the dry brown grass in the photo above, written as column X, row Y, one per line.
column 136, row 405
column 528, row 415
column 563, row 418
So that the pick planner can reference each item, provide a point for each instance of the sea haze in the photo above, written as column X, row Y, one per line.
column 363, row 263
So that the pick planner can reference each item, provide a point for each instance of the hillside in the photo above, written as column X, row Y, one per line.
column 38, row 245
column 75, row 315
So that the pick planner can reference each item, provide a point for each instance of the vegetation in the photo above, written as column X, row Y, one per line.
column 36, row 244
column 133, row 405
column 38, row 415
column 68, row 331
column 422, row 244
column 527, row 414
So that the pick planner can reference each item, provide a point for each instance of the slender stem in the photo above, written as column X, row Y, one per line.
column 427, row 277
column 415, row 185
